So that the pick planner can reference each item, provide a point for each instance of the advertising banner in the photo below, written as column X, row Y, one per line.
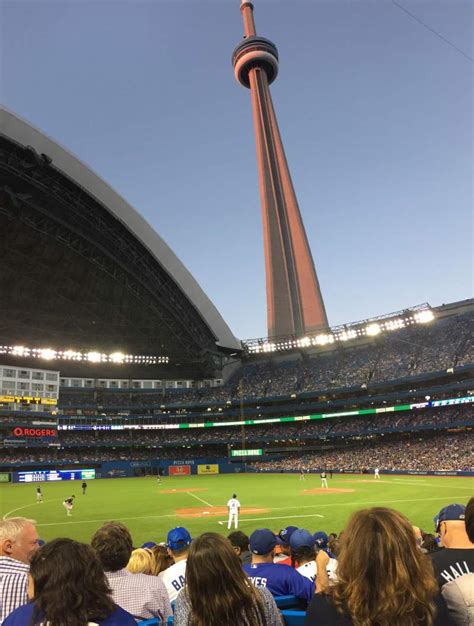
column 179, row 470
column 208, row 469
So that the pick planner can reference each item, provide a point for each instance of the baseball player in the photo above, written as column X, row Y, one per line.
column 302, row 476
column 376, row 474
column 39, row 495
column 68, row 504
column 324, row 480
column 233, row 506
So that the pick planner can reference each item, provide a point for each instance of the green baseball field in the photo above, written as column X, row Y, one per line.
column 150, row 509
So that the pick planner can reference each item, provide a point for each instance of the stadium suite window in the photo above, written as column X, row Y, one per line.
column 51, row 376
column 9, row 384
column 8, row 373
column 51, row 388
column 23, row 374
column 23, row 386
column 37, row 387
column 37, row 375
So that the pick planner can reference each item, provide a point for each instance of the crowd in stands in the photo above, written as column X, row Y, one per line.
column 453, row 452
column 402, row 353
column 379, row 570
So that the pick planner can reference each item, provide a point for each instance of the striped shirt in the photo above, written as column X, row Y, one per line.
column 141, row 595
column 13, row 585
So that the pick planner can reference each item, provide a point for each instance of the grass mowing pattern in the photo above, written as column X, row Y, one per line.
column 149, row 513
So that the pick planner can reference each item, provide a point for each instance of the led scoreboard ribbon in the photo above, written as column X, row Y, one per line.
column 26, row 400
column 273, row 420
column 55, row 475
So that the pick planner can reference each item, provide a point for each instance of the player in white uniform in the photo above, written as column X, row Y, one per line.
column 233, row 506
column 376, row 474
column 324, row 480
column 39, row 495
column 302, row 476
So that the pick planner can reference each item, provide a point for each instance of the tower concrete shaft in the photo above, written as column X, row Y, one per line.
column 294, row 302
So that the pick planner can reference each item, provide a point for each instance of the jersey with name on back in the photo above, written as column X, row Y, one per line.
column 281, row 580
column 174, row 578
column 451, row 563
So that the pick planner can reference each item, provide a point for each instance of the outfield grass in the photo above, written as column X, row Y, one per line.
column 150, row 512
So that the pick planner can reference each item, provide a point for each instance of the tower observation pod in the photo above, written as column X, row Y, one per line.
column 294, row 302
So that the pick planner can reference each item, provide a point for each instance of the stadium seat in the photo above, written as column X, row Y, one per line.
column 150, row 622
column 170, row 621
column 294, row 618
column 287, row 602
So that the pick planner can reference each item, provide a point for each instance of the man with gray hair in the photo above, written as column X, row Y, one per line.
column 18, row 543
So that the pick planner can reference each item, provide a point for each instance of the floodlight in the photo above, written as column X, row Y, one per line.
column 47, row 354
column 304, row 342
column 117, row 357
column 373, row 329
column 423, row 317
column 20, row 351
column 93, row 357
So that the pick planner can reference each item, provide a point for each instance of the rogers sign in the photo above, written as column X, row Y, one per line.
column 19, row 431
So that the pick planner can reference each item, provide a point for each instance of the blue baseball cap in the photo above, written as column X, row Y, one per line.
column 450, row 513
column 321, row 539
column 262, row 541
column 301, row 538
column 149, row 544
column 41, row 542
column 178, row 538
column 283, row 537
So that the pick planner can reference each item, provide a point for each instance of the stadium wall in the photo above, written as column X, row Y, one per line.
column 213, row 467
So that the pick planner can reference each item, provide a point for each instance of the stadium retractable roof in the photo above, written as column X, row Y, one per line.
column 80, row 268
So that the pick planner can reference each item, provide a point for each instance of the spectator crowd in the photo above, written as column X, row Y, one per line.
column 349, row 451
column 377, row 571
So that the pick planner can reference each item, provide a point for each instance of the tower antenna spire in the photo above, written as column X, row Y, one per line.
column 294, row 302
column 246, row 9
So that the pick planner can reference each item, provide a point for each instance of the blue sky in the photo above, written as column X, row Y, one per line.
column 375, row 113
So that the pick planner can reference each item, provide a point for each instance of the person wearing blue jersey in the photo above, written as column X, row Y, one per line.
column 280, row 580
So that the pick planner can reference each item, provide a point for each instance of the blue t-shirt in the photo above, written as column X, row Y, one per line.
column 281, row 580
column 22, row 616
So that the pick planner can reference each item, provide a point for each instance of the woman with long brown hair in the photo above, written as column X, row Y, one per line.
column 68, row 588
column 383, row 577
column 217, row 590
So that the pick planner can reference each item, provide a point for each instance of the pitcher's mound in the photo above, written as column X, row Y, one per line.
column 330, row 490
column 215, row 511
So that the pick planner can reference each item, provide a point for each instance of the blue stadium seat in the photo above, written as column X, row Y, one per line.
column 294, row 618
column 170, row 621
column 286, row 602
column 150, row 622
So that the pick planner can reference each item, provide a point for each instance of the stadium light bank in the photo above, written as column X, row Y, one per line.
column 93, row 356
column 421, row 314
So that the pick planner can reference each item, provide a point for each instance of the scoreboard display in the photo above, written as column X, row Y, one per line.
column 256, row 452
column 55, row 475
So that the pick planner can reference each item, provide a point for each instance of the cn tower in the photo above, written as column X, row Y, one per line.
column 294, row 302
